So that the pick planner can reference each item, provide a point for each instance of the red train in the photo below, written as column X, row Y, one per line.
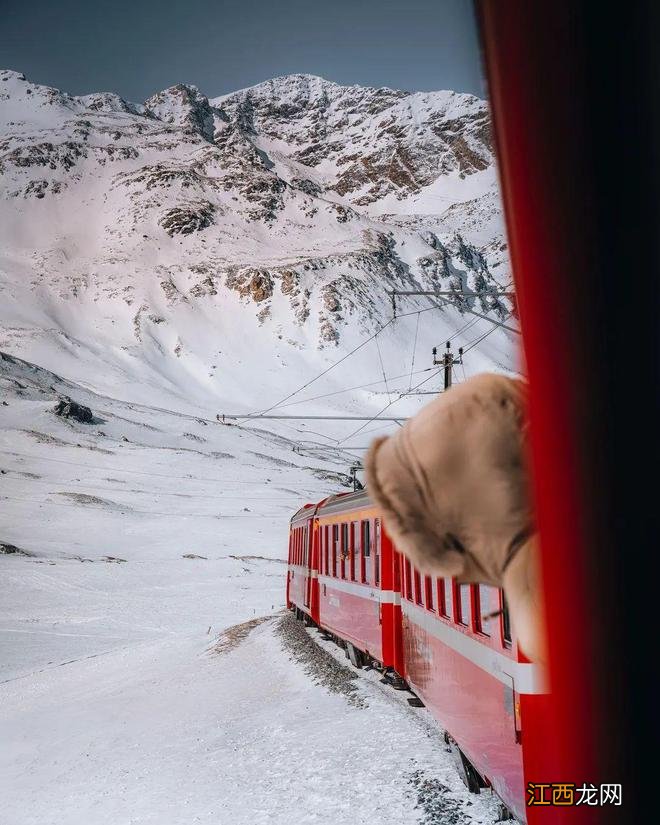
column 432, row 634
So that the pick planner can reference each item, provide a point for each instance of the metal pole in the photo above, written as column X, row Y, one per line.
column 448, row 362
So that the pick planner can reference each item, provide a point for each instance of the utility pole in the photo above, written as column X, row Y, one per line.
column 447, row 362
column 357, row 484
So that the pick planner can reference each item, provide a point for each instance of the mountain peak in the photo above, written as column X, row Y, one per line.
column 7, row 75
column 302, row 85
column 183, row 105
column 285, row 211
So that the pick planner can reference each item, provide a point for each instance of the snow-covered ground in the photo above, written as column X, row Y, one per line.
column 138, row 541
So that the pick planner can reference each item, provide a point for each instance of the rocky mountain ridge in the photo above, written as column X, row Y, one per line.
column 294, row 205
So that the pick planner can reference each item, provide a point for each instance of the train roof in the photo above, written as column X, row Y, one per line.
column 338, row 503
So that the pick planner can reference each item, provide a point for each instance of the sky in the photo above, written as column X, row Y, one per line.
column 140, row 47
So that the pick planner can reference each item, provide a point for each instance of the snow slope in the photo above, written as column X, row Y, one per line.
column 172, row 733
column 127, row 694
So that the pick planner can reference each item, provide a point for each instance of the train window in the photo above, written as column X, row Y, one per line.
column 440, row 592
column 429, row 601
column 462, row 604
column 506, row 621
column 344, row 549
column 358, row 552
column 376, row 546
column 418, row 587
column 484, row 602
column 448, row 607
column 353, row 552
column 366, row 537
column 326, row 549
column 366, row 551
column 407, row 579
column 336, row 550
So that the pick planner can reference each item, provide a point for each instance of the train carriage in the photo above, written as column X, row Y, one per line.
column 451, row 643
column 359, row 598
column 463, row 662
column 301, row 583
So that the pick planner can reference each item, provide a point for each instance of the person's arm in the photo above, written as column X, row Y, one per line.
column 453, row 486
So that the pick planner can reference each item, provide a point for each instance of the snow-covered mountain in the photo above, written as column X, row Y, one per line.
column 213, row 252
column 161, row 263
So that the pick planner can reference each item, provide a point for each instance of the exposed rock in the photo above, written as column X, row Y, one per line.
column 66, row 408
column 11, row 550
column 186, row 219
column 253, row 283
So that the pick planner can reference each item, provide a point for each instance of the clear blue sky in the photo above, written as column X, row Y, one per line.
column 139, row 47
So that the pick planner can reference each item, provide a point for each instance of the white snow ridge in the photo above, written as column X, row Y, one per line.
column 162, row 263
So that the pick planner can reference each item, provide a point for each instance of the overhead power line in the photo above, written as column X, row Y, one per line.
column 378, row 415
column 125, row 470
column 119, row 508
column 252, row 416
column 459, row 293
column 355, row 387
column 327, row 370
column 344, row 357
